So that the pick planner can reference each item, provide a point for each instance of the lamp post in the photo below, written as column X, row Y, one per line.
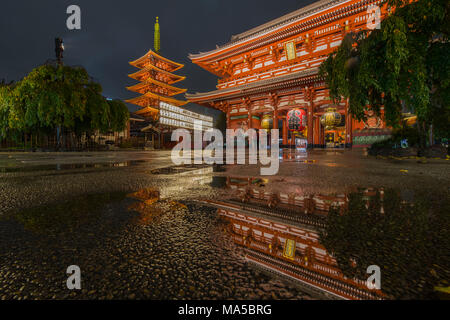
column 59, row 49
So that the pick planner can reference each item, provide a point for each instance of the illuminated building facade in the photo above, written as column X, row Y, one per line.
column 280, row 233
column 273, row 69
column 173, row 116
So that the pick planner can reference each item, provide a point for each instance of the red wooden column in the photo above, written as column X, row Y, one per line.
column 274, row 102
column 310, row 126
column 317, row 131
column 348, row 127
column 285, row 131
column 248, row 106
column 322, row 135
column 309, row 92
column 227, row 109
column 275, row 118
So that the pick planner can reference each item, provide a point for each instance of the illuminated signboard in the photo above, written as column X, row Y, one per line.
column 290, row 50
column 173, row 116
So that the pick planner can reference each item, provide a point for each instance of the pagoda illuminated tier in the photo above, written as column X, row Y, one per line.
column 156, row 80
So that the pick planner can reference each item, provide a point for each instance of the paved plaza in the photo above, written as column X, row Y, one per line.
column 61, row 209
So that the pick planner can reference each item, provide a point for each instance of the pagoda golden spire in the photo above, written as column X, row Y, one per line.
column 157, row 37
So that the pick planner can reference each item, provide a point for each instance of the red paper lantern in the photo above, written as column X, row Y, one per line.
column 296, row 119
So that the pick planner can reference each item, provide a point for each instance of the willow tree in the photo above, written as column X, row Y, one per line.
column 119, row 115
column 59, row 97
column 49, row 97
column 5, row 94
column 404, row 63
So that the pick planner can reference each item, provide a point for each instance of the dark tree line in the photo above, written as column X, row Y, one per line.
column 57, row 102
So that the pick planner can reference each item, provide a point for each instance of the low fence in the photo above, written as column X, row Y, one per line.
column 365, row 138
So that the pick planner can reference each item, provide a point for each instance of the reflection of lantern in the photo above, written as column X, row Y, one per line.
column 267, row 122
column 296, row 120
column 330, row 119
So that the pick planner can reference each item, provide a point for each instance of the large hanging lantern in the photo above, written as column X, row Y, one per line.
column 267, row 122
column 296, row 119
column 330, row 119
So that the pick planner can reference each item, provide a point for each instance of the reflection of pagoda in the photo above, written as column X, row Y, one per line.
column 156, row 79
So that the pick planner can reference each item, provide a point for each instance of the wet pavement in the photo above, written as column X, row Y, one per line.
column 133, row 224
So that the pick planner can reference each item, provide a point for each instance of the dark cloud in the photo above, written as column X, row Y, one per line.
column 115, row 32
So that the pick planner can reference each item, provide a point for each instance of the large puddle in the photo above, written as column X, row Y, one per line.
column 337, row 237
column 256, row 239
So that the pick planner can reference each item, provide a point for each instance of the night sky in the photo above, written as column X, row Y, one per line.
column 116, row 32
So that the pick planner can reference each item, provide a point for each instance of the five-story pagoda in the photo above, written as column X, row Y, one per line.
column 156, row 79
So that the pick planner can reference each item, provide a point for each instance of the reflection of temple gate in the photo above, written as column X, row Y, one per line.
column 280, row 232
column 335, row 138
column 265, row 243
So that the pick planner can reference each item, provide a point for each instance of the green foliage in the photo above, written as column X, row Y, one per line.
column 409, row 242
column 398, row 134
column 126, row 144
column 119, row 115
column 5, row 104
column 406, row 62
column 49, row 96
column 58, row 96
column 406, row 132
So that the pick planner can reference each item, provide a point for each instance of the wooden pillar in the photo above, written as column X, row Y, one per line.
column 322, row 135
column 316, row 131
column 310, row 126
column 309, row 95
column 228, row 119
column 348, row 128
column 247, row 103
column 285, row 131
column 275, row 118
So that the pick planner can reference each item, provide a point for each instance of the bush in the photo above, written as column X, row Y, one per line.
column 126, row 144
column 406, row 132
column 393, row 145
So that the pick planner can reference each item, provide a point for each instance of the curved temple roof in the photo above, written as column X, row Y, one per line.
column 143, row 62
column 238, row 91
column 147, row 112
column 272, row 26
column 151, row 84
column 152, row 99
column 146, row 72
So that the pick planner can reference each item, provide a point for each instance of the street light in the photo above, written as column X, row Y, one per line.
column 59, row 49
